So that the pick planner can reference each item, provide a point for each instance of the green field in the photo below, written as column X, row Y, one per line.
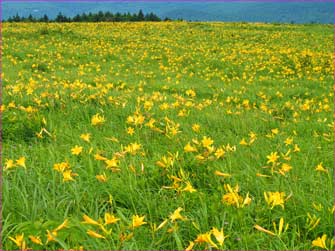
column 169, row 135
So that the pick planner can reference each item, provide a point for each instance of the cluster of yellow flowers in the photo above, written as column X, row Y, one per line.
column 199, row 116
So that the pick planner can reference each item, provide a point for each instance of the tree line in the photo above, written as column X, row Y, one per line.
column 92, row 17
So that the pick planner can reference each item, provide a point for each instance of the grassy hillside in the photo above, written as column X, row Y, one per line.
column 169, row 135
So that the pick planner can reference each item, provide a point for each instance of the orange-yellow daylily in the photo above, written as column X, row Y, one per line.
column 36, row 239
column 21, row 162
column 205, row 238
column 101, row 177
column 95, row 234
column 97, row 119
column 110, row 219
column 188, row 148
column 320, row 168
column 219, row 235
column 138, row 221
column 320, row 242
column 76, row 150
column 272, row 158
column 275, row 199
column 88, row 220
column 206, row 142
column 19, row 241
column 259, row 228
column 218, row 173
column 86, row 137
column 176, row 215
column 61, row 226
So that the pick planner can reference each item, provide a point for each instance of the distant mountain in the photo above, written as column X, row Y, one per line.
column 297, row 12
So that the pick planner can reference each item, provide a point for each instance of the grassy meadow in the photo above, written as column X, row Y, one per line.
column 169, row 135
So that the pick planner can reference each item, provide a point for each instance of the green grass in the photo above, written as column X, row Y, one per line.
column 240, row 75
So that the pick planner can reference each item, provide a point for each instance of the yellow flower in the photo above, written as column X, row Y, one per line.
column 288, row 141
column 97, row 120
column 125, row 237
column 318, row 207
column 11, row 105
column 76, row 150
column 110, row 219
column 101, row 177
column 90, row 150
column 189, row 187
column 218, row 173
column 112, row 139
column 85, row 137
column 232, row 197
column 320, row 242
column 88, row 220
column 19, row 241
column 205, row 238
column 259, row 228
column 51, row 236
column 285, row 168
column 9, row 164
column 246, row 201
column 196, row 127
column 21, row 162
column 312, row 221
column 100, row 157
column 61, row 167
column 188, row 148
column 243, row 142
column 272, row 158
column 206, row 142
column 219, row 153
column 219, row 236
column 67, row 175
column 133, row 148
column 151, row 122
column 280, row 229
column 287, row 156
column 176, row 215
column 320, row 168
column 148, row 105
column 253, row 137
column 262, row 175
column 161, row 225
column 275, row 131
column 63, row 225
column 36, row 240
column 130, row 130
column 190, row 246
column 296, row 148
column 200, row 157
column 111, row 163
column 95, row 234
column 138, row 221
column 274, row 198
column 190, row 93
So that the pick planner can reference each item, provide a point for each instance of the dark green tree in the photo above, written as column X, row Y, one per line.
column 60, row 17
column 45, row 18
column 17, row 18
column 91, row 17
column 140, row 16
